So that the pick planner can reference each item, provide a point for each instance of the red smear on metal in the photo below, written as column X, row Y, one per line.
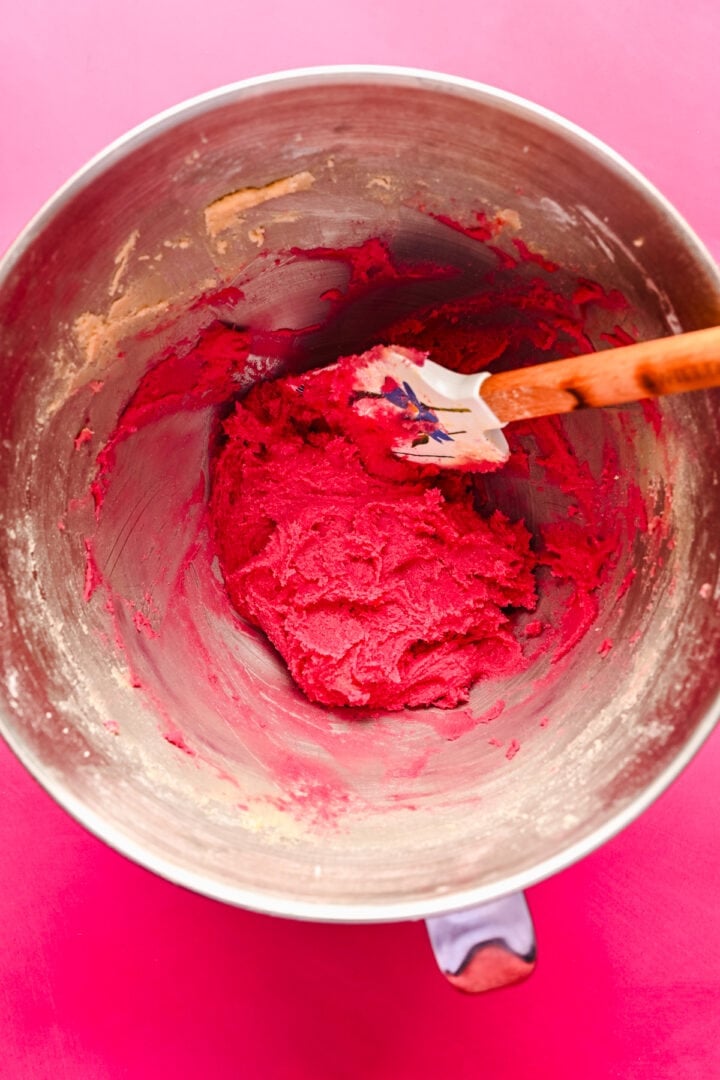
column 83, row 437
column 512, row 749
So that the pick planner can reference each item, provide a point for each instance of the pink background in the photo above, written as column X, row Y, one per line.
column 106, row 971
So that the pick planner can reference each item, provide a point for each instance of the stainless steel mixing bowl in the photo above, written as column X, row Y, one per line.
column 102, row 280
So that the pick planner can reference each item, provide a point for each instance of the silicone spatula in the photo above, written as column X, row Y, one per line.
column 452, row 419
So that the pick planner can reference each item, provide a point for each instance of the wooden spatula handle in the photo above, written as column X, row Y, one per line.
column 669, row 365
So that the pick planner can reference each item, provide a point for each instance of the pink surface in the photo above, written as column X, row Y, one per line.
column 106, row 971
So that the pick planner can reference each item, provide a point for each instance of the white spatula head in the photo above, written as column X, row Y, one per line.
column 443, row 419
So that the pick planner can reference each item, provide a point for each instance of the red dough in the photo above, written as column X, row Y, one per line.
column 376, row 580
column 383, row 583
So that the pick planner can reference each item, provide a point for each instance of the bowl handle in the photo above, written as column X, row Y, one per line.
column 485, row 947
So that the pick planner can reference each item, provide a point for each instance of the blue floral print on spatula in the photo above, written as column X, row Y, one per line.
column 404, row 397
